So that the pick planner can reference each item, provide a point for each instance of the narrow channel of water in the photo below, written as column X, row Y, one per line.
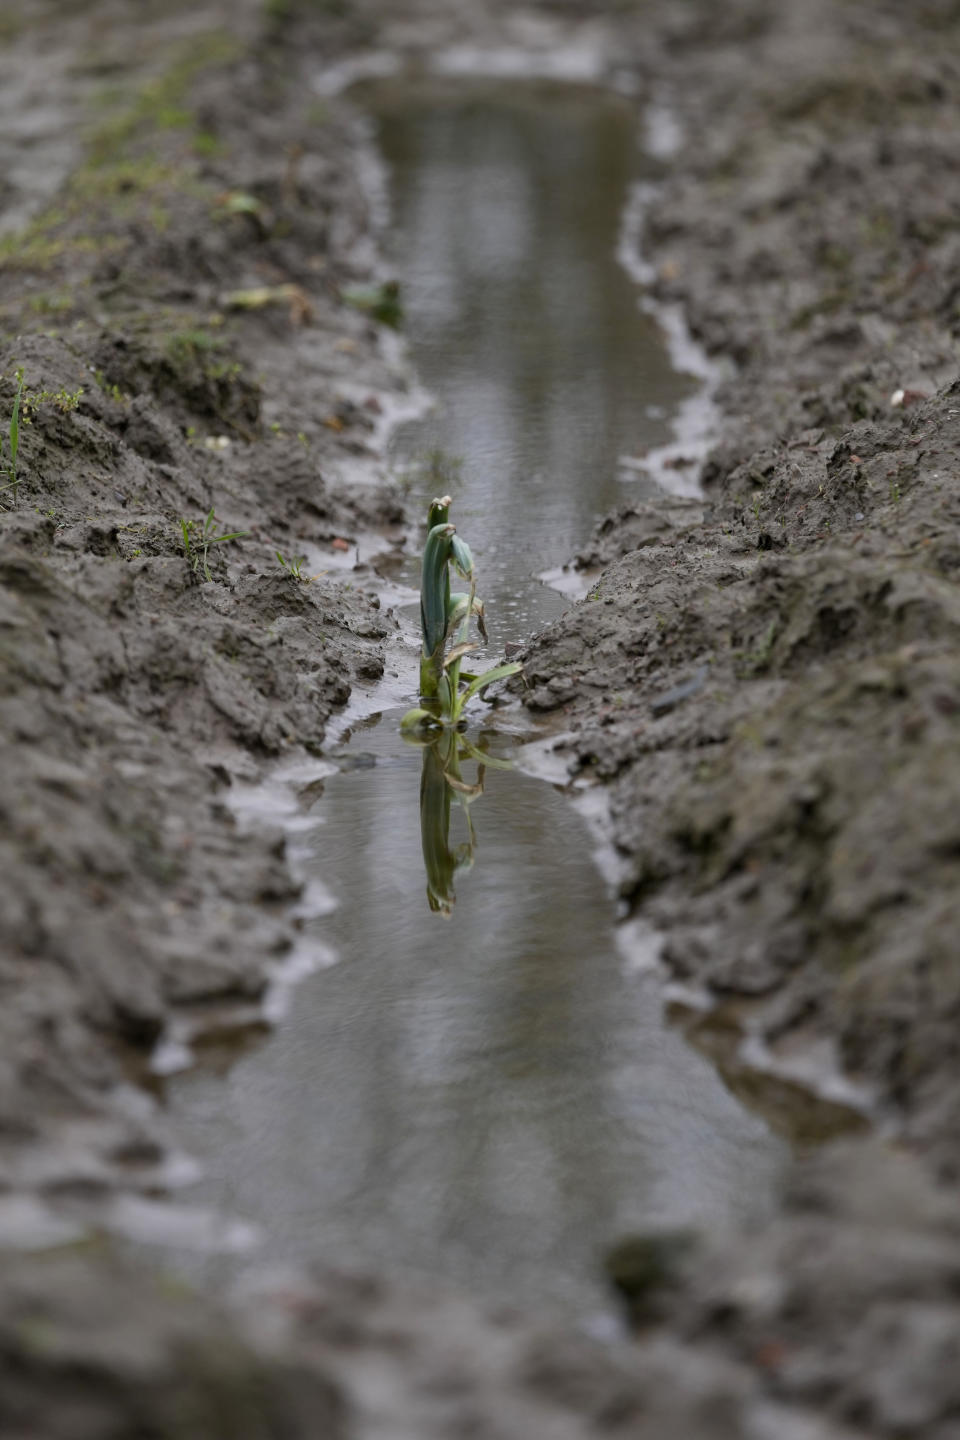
column 507, row 203
column 491, row 1097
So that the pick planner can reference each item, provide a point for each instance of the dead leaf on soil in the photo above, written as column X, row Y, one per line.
column 259, row 296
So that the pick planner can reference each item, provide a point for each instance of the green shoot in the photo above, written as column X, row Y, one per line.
column 13, row 440
column 445, row 620
column 63, row 400
column 198, row 538
column 25, row 403
column 293, row 566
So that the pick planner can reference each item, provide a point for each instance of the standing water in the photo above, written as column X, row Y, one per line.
column 507, row 205
column 491, row 1097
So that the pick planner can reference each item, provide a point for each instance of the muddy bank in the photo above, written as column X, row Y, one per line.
column 177, row 318
column 772, row 695
column 837, row 1322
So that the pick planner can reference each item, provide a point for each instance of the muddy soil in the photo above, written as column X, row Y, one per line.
column 771, row 694
column 142, row 672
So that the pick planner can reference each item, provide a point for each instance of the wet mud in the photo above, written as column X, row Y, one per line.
column 144, row 670
column 769, row 691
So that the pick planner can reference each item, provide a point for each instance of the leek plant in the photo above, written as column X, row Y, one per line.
column 445, row 620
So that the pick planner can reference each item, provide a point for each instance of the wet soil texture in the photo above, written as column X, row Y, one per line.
column 782, row 765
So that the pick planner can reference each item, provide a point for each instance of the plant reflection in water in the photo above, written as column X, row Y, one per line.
column 441, row 782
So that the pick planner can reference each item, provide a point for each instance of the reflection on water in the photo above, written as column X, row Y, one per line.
column 440, row 766
column 494, row 1098
column 491, row 1098
column 441, row 783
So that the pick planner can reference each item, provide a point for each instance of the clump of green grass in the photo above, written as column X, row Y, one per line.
column 25, row 404
column 163, row 103
column 445, row 619
column 198, row 538
column 293, row 566
column 9, row 462
column 63, row 399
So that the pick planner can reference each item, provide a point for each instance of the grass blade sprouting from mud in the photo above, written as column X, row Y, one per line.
column 198, row 538
column 13, row 441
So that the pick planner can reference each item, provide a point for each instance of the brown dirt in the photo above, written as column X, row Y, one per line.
column 791, row 823
column 770, row 693
column 135, row 688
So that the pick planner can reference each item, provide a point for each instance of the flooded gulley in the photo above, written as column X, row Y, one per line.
column 481, row 1087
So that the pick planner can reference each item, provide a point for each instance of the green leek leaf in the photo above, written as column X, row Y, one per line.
column 499, row 672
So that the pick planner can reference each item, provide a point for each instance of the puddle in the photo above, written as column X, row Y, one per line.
column 492, row 1096
column 489, row 1096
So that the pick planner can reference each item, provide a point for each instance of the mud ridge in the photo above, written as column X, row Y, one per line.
column 769, row 696
column 176, row 316
column 772, row 693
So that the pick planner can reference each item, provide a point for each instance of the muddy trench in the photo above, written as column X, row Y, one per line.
column 653, row 1123
column 480, row 1089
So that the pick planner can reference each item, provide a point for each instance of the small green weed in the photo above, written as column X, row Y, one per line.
column 759, row 659
column 293, row 566
column 184, row 347
column 63, row 400
column 380, row 301
column 9, row 463
column 55, row 302
column 161, row 104
column 25, row 405
column 199, row 536
column 205, row 143
column 113, row 390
